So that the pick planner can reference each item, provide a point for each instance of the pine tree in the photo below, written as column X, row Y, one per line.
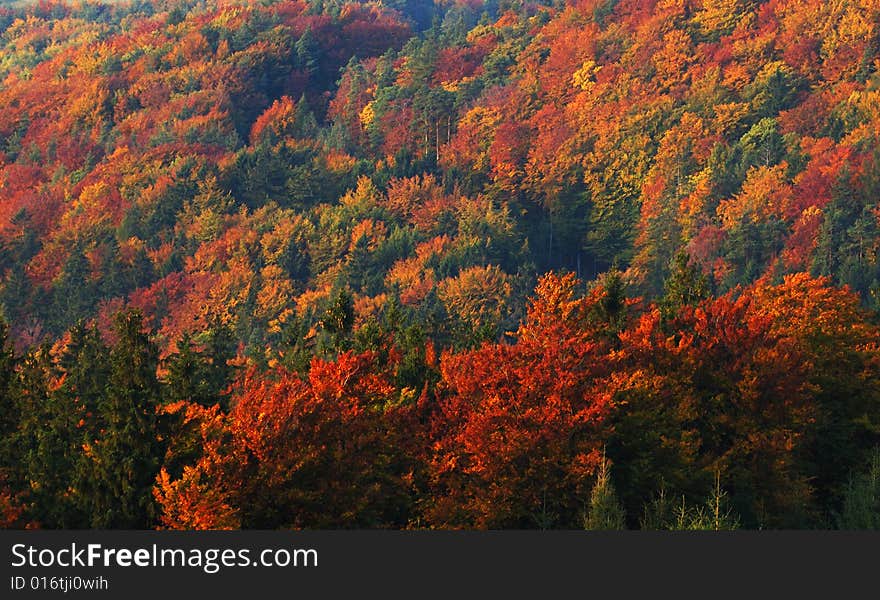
column 339, row 319
column 31, row 398
column 676, row 514
column 220, row 347
column 861, row 501
column 305, row 125
column 186, row 377
column 67, row 424
column 605, row 512
column 657, row 512
column 685, row 286
column 74, row 292
column 125, row 457
column 201, row 375
column 611, row 310
column 10, row 456
column 307, row 49
column 716, row 515
column 8, row 418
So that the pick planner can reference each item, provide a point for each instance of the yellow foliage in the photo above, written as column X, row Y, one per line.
column 728, row 115
column 765, row 192
column 368, row 306
column 412, row 278
column 585, row 77
column 478, row 295
column 310, row 299
column 693, row 205
column 719, row 16
column 86, row 107
column 453, row 86
column 275, row 296
column 275, row 242
column 367, row 114
column 365, row 195
column 374, row 231
column 848, row 27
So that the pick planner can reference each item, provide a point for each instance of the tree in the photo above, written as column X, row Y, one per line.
column 74, row 293
column 717, row 516
column 613, row 307
column 125, row 454
column 519, row 427
column 832, row 333
column 11, row 484
column 306, row 52
column 68, row 421
column 187, row 377
column 333, row 450
column 199, row 372
column 8, row 408
column 861, row 500
column 339, row 319
column 685, row 286
column 663, row 512
column 604, row 511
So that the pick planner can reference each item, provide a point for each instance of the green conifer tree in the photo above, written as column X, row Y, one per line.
column 861, row 501
column 685, row 286
column 605, row 511
column 125, row 457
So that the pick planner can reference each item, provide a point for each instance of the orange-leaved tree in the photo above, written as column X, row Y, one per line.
column 519, row 428
column 329, row 451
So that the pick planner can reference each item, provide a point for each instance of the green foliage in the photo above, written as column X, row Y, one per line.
column 296, row 346
column 861, row 500
column 846, row 245
column 338, row 319
column 306, row 52
column 187, row 375
column 612, row 218
column 685, row 286
column 125, row 455
column 751, row 248
column 674, row 514
column 605, row 511
column 611, row 309
column 74, row 293
column 10, row 416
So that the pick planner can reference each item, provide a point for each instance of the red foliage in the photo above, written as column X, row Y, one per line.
column 520, row 427
column 327, row 451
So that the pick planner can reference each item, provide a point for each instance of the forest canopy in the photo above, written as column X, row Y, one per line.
column 443, row 264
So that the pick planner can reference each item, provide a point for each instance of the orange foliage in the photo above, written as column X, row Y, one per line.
column 326, row 450
column 520, row 427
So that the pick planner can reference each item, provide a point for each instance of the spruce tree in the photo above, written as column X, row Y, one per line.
column 187, row 372
column 126, row 456
column 67, row 425
column 220, row 347
column 605, row 512
column 8, row 408
column 31, row 398
column 339, row 319
column 861, row 501
column 685, row 286
column 10, row 481
column 665, row 512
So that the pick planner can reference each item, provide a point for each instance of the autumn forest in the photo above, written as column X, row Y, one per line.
column 415, row 264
